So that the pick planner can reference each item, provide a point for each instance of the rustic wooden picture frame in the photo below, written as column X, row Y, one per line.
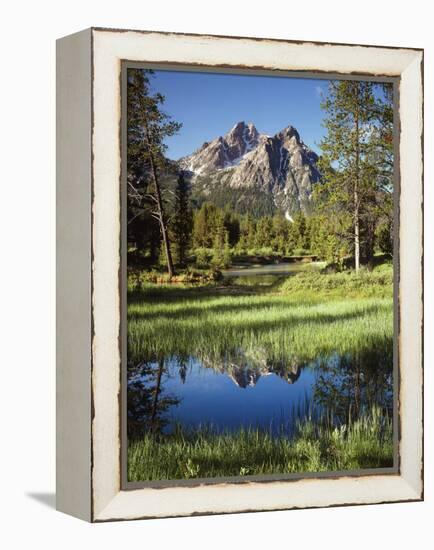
column 89, row 274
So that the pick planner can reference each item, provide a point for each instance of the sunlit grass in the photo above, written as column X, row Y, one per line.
column 316, row 447
column 303, row 318
column 300, row 319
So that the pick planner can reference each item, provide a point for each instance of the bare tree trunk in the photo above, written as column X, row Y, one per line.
column 357, row 389
column 160, row 209
column 156, row 394
column 356, row 235
column 356, row 188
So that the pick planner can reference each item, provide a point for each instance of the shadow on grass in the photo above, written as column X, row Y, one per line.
column 291, row 321
column 175, row 293
column 204, row 338
column 212, row 290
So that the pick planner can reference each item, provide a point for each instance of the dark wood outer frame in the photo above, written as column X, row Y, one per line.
column 252, row 72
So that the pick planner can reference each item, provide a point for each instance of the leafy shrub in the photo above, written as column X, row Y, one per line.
column 140, row 280
column 364, row 282
column 301, row 252
column 384, row 237
column 203, row 257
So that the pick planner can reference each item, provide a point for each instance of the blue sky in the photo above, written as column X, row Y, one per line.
column 209, row 104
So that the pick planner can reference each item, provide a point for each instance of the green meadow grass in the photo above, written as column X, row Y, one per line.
column 366, row 443
column 307, row 316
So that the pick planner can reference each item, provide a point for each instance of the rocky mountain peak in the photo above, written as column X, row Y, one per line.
column 288, row 133
column 243, row 131
column 224, row 151
column 281, row 166
column 241, row 139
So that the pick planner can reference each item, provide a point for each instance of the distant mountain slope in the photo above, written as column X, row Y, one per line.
column 252, row 170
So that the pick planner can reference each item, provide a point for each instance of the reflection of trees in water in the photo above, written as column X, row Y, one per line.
column 348, row 385
column 183, row 362
column 147, row 403
column 344, row 387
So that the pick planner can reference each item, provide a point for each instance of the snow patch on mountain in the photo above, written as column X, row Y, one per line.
column 289, row 217
column 281, row 165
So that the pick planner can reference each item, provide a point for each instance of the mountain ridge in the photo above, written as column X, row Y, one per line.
column 281, row 166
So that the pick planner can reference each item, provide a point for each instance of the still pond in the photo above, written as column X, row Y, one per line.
column 241, row 391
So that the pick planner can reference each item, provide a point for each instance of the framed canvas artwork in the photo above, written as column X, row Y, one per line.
column 239, row 267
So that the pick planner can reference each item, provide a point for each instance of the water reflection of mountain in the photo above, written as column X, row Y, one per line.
column 341, row 387
column 244, row 377
column 245, row 369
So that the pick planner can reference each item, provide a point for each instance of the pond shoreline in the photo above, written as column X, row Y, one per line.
column 227, row 353
column 277, row 268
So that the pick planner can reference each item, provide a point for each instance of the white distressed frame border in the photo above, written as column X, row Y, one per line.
column 107, row 49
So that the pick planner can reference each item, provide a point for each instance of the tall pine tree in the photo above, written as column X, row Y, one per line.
column 350, row 161
column 183, row 219
column 148, row 126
